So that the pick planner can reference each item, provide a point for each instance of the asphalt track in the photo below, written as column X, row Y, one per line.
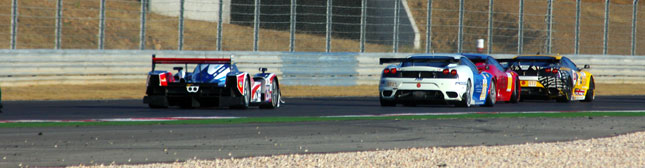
column 60, row 146
column 80, row 110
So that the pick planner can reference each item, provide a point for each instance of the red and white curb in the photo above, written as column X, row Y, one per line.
column 335, row 116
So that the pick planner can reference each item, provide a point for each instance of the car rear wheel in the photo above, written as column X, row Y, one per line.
column 567, row 97
column 515, row 96
column 246, row 97
column 591, row 93
column 492, row 95
column 465, row 98
column 387, row 103
column 275, row 96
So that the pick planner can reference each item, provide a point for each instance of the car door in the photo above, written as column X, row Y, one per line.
column 501, row 78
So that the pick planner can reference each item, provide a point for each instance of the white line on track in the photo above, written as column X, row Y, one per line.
column 335, row 116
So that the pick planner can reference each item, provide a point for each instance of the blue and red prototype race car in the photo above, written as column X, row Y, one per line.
column 214, row 82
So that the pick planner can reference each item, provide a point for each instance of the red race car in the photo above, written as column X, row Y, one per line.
column 506, row 80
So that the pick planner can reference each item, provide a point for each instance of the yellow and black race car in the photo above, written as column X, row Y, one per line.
column 552, row 76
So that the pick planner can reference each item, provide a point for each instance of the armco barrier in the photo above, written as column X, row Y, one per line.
column 31, row 67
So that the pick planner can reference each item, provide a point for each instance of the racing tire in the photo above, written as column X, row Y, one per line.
column 387, row 103
column 465, row 98
column 159, row 105
column 156, row 106
column 492, row 95
column 515, row 96
column 276, row 96
column 591, row 92
column 565, row 98
column 246, row 97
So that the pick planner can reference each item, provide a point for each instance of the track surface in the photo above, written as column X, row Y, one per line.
column 60, row 146
column 78, row 110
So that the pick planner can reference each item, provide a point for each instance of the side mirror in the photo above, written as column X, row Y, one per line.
column 587, row 66
column 263, row 70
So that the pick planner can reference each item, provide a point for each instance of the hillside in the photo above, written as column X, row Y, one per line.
column 37, row 21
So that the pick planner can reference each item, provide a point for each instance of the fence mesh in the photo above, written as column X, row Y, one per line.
column 387, row 25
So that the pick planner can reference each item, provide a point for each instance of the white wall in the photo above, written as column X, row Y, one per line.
column 205, row 10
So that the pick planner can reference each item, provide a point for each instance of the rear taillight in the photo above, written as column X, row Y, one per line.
column 163, row 80
column 548, row 70
column 554, row 70
column 453, row 72
column 393, row 70
column 446, row 71
column 386, row 71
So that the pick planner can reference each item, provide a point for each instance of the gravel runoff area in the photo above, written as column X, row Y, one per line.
column 620, row 151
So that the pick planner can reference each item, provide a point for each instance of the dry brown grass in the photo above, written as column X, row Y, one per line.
column 137, row 91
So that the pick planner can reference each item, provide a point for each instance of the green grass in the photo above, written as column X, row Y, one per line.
column 317, row 119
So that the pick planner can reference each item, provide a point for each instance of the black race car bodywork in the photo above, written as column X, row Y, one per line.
column 214, row 82
column 552, row 76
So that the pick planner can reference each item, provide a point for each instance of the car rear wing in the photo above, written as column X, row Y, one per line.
column 391, row 60
column 507, row 62
column 397, row 60
column 156, row 60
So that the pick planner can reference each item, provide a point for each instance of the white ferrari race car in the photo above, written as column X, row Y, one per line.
column 434, row 79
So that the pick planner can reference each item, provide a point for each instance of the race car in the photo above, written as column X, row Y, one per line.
column 506, row 80
column 552, row 76
column 434, row 79
column 214, row 82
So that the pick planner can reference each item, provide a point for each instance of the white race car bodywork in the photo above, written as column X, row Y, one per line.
column 444, row 85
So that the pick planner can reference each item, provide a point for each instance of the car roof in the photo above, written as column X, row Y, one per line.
column 557, row 57
column 436, row 56
column 474, row 56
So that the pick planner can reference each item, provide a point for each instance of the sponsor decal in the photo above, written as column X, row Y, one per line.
column 483, row 94
column 192, row 89
column 509, row 81
column 240, row 83
column 580, row 92
column 461, row 83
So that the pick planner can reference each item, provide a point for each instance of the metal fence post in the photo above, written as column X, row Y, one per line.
column 460, row 36
column 180, row 42
column 429, row 27
column 292, row 27
column 606, row 29
column 142, row 27
column 363, row 23
column 14, row 23
column 489, row 44
column 256, row 25
column 549, row 26
column 101, row 24
column 59, row 16
column 395, row 35
column 219, row 25
column 328, row 26
column 577, row 36
column 634, row 26
column 520, row 31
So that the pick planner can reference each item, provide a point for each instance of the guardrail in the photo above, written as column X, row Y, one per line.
column 33, row 67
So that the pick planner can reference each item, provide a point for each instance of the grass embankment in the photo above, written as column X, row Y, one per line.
column 317, row 119
column 137, row 91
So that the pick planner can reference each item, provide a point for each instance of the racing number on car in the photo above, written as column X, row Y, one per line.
column 482, row 96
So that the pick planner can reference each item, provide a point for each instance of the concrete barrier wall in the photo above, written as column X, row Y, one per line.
column 32, row 67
